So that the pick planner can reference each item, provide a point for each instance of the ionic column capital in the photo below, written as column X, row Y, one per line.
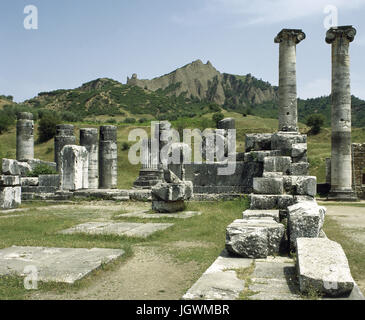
column 347, row 32
column 296, row 35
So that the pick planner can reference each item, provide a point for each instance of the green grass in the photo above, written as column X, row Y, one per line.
column 40, row 227
column 354, row 250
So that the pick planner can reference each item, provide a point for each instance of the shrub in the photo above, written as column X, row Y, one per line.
column 217, row 117
column 69, row 116
column 142, row 120
column 47, row 127
column 6, row 120
column 125, row 146
column 111, row 120
column 130, row 120
column 41, row 169
column 315, row 122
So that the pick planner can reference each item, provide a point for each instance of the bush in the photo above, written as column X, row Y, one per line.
column 217, row 117
column 69, row 116
column 315, row 122
column 47, row 127
column 125, row 146
column 142, row 120
column 130, row 120
column 41, row 169
column 6, row 120
column 111, row 120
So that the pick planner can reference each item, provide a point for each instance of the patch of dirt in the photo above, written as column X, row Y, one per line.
column 148, row 275
column 190, row 244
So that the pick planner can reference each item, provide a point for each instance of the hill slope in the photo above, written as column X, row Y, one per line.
column 190, row 91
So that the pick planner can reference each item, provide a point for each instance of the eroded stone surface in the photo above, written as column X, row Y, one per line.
column 129, row 229
column 305, row 220
column 323, row 266
column 55, row 264
column 219, row 281
column 254, row 238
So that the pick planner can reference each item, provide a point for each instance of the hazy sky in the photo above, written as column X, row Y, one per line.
column 81, row 40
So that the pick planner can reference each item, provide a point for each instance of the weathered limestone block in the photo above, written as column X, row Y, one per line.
column 49, row 180
column 64, row 136
column 258, row 141
column 172, row 191
column 254, row 214
column 284, row 141
column 74, row 167
column 284, row 201
column 226, row 124
column 299, row 152
column 277, row 164
column 37, row 162
column 29, row 181
column 260, row 155
column 14, row 167
column 89, row 140
column 268, row 185
column 10, row 197
column 269, row 202
column 6, row 181
column 322, row 265
column 305, row 220
column 300, row 185
column 299, row 169
column 168, row 207
column 272, row 175
column 254, row 238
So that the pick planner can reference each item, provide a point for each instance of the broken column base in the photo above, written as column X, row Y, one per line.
column 148, row 178
column 342, row 195
column 168, row 206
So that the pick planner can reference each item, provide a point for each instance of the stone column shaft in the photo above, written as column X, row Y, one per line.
column 64, row 136
column 89, row 139
column 108, row 158
column 25, row 136
column 341, row 164
column 288, row 114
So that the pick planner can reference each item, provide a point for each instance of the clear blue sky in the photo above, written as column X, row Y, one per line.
column 81, row 40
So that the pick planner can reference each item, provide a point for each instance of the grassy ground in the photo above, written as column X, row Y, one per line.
column 40, row 227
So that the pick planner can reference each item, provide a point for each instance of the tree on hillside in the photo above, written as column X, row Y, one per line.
column 217, row 117
column 47, row 126
column 315, row 122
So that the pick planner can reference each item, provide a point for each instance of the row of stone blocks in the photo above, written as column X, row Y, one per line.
column 321, row 264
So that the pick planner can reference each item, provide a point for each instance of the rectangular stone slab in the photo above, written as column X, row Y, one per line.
column 130, row 229
column 146, row 215
column 270, row 214
column 322, row 265
column 220, row 280
column 65, row 265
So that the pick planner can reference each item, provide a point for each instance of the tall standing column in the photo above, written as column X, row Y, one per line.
column 288, row 114
column 25, row 136
column 108, row 158
column 89, row 140
column 341, row 171
column 64, row 136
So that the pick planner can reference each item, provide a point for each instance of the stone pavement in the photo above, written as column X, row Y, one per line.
column 65, row 265
column 273, row 278
column 129, row 229
column 147, row 215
